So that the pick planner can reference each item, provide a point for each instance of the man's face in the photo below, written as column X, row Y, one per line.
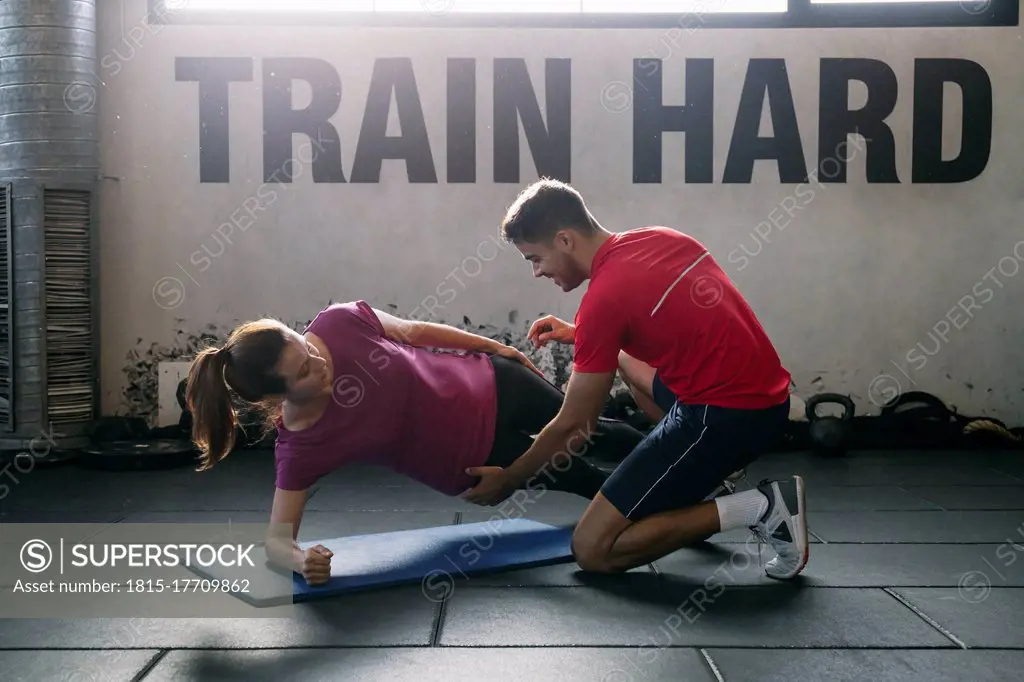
column 554, row 261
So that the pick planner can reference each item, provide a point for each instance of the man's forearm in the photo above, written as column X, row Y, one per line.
column 552, row 448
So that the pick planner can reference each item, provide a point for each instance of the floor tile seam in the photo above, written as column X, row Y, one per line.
column 925, row 617
column 151, row 665
column 712, row 665
column 442, row 608
column 904, row 488
column 1010, row 474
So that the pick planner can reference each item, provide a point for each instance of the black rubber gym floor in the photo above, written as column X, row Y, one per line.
column 916, row 573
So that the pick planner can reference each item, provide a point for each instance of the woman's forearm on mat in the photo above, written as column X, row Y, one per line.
column 285, row 554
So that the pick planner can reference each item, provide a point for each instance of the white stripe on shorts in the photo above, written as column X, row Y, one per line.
column 705, row 422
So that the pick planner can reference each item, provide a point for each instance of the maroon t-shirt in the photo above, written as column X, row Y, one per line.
column 424, row 414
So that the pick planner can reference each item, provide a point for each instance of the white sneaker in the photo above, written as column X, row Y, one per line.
column 784, row 527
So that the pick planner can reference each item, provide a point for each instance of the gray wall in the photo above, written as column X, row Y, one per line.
column 865, row 287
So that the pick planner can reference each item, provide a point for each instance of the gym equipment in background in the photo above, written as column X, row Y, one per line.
column 829, row 435
column 138, row 455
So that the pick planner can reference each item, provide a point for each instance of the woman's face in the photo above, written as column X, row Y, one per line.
column 303, row 369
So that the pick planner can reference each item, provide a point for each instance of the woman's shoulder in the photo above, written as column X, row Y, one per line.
column 334, row 310
column 357, row 314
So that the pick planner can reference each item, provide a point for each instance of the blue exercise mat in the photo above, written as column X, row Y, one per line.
column 433, row 557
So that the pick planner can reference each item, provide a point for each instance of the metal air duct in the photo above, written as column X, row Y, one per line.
column 49, row 167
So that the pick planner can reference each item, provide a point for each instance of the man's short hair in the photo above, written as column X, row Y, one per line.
column 544, row 208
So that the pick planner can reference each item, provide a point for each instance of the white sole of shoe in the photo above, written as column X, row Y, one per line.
column 800, row 523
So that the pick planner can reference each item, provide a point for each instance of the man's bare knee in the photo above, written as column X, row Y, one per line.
column 593, row 540
column 591, row 553
column 590, row 556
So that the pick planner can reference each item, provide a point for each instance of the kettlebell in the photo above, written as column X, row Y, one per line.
column 829, row 434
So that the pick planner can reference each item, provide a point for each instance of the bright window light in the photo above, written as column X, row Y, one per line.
column 683, row 6
column 479, row 6
column 486, row 6
column 278, row 5
column 891, row 2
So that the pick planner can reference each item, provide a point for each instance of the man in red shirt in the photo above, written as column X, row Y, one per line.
column 661, row 312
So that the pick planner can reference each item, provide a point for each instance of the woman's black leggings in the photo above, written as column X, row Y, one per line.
column 526, row 404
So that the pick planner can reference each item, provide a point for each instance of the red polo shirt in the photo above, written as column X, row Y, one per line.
column 659, row 295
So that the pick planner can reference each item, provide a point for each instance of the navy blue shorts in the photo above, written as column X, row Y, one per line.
column 689, row 453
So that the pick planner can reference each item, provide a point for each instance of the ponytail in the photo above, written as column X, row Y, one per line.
column 209, row 400
column 244, row 366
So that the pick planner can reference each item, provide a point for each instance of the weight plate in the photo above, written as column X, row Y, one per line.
column 139, row 455
column 158, row 446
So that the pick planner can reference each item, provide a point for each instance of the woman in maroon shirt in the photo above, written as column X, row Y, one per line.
column 362, row 386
